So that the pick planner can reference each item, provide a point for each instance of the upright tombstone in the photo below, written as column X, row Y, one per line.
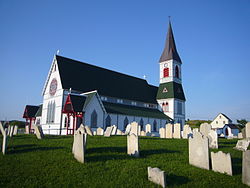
column 83, row 131
column 221, row 162
column 195, row 130
column 240, row 136
column 99, row 131
column 162, row 132
column 88, row 130
column 114, row 130
column 139, row 130
column 186, row 131
column 213, row 139
column 134, row 128
column 246, row 167
column 133, row 145
column 79, row 145
column 157, row 176
column 205, row 129
column 5, row 139
column 39, row 132
column 247, row 127
column 148, row 128
column 242, row 145
column 94, row 133
column 169, row 130
column 108, row 131
column 9, row 128
column 198, row 151
column 177, row 130
column 128, row 128
column 15, row 130
column 118, row 132
column 243, row 132
column 11, row 131
column 143, row 133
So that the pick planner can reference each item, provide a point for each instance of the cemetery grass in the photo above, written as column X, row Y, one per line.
column 30, row 162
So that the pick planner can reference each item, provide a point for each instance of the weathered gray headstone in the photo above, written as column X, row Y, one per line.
column 143, row 133
column 118, row 132
column 114, row 129
column 246, row 167
column 243, row 132
column 240, row 136
column 108, row 131
column 162, row 132
column 198, row 151
column 213, row 139
column 195, row 130
column 15, row 130
column 128, row 128
column 11, row 131
column 242, row 145
column 83, row 131
column 133, row 145
column 148, row 128
column 247, row 127
column 205, row 129
column 5, row 139
column 221, row 162
column 99, row 131
column 177, row 130
column 186, row 131
column 134, row 128
column 38, row 131
column 88, row 130
column 157, row 176
column 169, row 130
column 79, row 145
column 139, row 130
column 94, row 133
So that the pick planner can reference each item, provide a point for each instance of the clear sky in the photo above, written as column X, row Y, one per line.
column 212, row 38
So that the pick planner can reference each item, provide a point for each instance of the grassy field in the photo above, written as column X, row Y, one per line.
column 50, row 163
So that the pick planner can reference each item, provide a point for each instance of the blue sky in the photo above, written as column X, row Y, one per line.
column 212, row 39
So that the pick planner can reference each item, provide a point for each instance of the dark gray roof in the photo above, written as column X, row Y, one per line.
column 39, row 111
column 170, row 51
column 30, row 111
column 84, row 77
column 232, row 126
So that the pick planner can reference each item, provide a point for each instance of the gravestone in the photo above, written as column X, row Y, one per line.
column 39, row 132
column 195, row 130
column 114, row 129
column 243, row 132
column 162, row 132
column 186, row 131
column 139, row 130
column 83, row 131
column 9, row 128
column 15, row 130
column 118, row 132
column 157, row 176
column 88, row 130
column 128, row 128
column 79, row 145
column 99, row 131
column 11, row 131
column 148, row 128
column 205, row 129
column 94, row 133
column 169, row 130
column 177, row 130
column 143, row 133
column 242, row 145
column 108, row 131
column 246, row 167
column 198, row 151
column 221, row 162
column 5, row 138
column 213, row 139
column 240, row 136
column 134, row 128
column 133, row 145
column 247, row 127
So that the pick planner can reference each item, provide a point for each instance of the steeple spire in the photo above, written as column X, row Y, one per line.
column 170, row 51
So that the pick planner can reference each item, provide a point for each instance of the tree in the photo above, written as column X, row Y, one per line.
column 242, row 122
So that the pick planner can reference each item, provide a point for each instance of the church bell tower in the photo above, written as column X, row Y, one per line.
column 170, row 95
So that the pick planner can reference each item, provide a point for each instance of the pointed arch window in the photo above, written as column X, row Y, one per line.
column 108, row 121
column 177, row 72
column 155, row 126
column 166, row 72
column 125, row 123
column 141, row 123
column 93, row 119
column 51, row 112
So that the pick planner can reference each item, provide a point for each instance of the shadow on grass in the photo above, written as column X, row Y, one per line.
column 107, row 149
column 237, row 166
column 172, row 180
column 145, row 153
column 30, row 148
column 103, row 158
column 57, row 137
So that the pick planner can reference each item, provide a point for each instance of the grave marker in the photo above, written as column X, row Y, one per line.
column 157, row 176
column 221, row 162
column 246, row 167
column 177, row 130
column 133, row 145
column 213, row 139
column 169, row 130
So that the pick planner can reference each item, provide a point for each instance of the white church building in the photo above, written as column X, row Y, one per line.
column 77, row 92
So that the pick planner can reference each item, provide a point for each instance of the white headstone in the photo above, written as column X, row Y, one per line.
column 108, row 131
column 94, row 133
column 133, row 145
column 213, row 139
column 177, row 130
column 143, row 133
column 39, row 132
column 99, row 131
column 205, row 129
column 198, row 151
column 186, row 131
column 148, row 128
column 157, row 176
column 162, row 132
column 195, row 130
column 169, row 130
column 240, row 136
column 5, row 138
column 247, row 129
column 139, row 130
column 79, row 145
column 114, row 129
column 128, row 128
column 15, row 130
column 118, row 132
column 88, row 130
column 11, row 131
column 134, row 128
column 242, row 145
column 221, row 162
column 246, row 167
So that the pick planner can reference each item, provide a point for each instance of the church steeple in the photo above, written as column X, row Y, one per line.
column 170, row 51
